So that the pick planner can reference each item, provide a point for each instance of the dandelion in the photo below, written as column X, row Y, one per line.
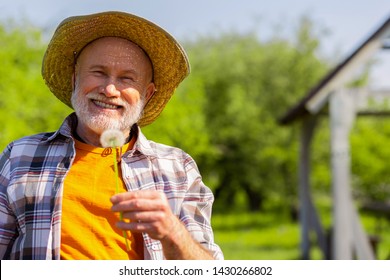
column 113, row 138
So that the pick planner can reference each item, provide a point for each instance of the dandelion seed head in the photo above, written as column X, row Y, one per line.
column 112, row 138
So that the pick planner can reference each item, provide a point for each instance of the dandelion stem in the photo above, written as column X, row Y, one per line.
column 117, row 191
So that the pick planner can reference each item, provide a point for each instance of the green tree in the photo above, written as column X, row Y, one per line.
column 370, row 159
column 238, row 88
column 26, row 106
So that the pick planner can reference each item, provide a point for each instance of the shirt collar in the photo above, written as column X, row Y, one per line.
column 142, row 144
column 65, row 129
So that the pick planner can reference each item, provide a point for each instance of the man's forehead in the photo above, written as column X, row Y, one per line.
column 115, row 44
column 114, row 48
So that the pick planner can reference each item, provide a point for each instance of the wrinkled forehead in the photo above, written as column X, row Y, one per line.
column 115, row 47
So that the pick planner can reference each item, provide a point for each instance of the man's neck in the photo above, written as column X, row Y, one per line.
column 88, row 136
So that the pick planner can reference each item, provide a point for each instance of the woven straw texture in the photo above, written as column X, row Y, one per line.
column 170, row 62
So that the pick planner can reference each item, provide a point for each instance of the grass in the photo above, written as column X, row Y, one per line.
column 271, row 235
column 251, row 236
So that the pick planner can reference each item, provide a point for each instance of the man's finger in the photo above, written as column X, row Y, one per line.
column 135, row 195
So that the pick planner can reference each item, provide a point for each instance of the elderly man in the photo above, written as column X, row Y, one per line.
column 57, row 195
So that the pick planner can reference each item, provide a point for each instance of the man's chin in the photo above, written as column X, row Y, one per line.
column 98, row 124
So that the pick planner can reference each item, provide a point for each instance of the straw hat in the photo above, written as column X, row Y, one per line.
column 170, row 62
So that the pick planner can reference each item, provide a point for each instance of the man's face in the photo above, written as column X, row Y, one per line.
column 112, row 83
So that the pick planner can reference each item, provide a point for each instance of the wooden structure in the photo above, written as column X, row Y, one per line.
column 342, row 104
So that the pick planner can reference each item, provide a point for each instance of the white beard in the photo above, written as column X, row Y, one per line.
column 101, row 122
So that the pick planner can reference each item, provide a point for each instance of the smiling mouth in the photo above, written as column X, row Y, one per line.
column 105, row 105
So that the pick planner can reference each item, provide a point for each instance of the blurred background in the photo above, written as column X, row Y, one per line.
column 251, row 62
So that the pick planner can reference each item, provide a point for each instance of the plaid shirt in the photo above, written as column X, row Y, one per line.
column 32, row 173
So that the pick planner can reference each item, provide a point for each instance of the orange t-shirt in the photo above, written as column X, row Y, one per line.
column 88, row 228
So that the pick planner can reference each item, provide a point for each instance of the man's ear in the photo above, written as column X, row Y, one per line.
column 73, row 81
column 151, row 89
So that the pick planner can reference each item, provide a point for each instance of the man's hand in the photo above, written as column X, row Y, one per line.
column 149, row 212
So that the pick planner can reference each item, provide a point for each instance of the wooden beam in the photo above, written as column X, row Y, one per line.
column 367, row 102
column 346, row 73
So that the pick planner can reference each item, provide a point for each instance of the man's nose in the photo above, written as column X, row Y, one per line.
column 111, row 91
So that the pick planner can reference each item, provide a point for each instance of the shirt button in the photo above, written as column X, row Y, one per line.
column 154, row 247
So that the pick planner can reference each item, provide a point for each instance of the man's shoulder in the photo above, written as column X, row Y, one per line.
column 163, row 150
column 34, row 138
column 167, row 155
column 22, row 147
column 159, row 150
column 30, row 143
column 62, row 133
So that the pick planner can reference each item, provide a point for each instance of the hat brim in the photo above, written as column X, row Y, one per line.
column 169, row 60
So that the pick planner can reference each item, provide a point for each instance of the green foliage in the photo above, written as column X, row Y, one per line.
column 182, row 123
column 27, row 106
column 320, row 158
column 370, row 159
column 247, row 84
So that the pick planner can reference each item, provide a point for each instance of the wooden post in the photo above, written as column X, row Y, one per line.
column 308, row 126
column 341, row 120
column 308, row 216
column 347, row 230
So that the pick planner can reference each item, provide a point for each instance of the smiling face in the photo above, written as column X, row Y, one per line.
column 113, row 82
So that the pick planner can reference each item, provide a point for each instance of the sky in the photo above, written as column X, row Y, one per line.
column 348, row 22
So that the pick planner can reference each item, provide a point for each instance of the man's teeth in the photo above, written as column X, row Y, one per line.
column 105, row 105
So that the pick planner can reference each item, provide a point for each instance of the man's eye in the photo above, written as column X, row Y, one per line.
column 127, row 79
column 98, row 73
